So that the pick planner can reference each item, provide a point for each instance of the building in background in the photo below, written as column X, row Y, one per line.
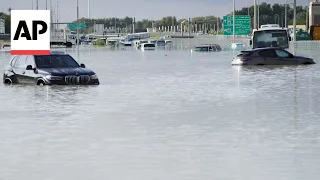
column 2, row 26
column 98, row 29
column 314, row 13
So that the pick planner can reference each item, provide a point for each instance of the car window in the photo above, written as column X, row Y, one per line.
column 268, row 53
column 204, row 49
column 13, row 61
column 55, row 61
column 218, row 48
column 246, row 53
column 30, row 61
column 283, row 54
column 20, row 62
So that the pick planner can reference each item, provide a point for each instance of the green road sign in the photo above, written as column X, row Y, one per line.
column 242, row 24
column 74, row 26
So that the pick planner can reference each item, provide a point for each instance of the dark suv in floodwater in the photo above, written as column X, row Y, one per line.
column 57, row 68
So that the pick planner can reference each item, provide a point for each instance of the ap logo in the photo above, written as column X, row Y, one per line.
column 30, row 32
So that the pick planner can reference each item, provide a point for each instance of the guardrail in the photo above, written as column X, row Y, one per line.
column 303, row 46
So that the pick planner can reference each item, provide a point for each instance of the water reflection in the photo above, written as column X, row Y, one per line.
column 259, row 75
column 295, row 98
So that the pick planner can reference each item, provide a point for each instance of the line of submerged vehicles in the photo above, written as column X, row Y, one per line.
column 269, row 46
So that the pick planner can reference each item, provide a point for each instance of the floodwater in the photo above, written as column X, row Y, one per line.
column 165, row 115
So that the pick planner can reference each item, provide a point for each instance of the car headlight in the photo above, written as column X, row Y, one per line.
column 50, row 77
column 94, row 76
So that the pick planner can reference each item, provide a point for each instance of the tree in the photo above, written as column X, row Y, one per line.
column 269, row 13
column 7, row 21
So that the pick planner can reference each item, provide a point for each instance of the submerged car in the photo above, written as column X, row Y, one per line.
column 269, row 56
column 207, row 48
column 58, row 68
column 147, row 46
column 237, row 46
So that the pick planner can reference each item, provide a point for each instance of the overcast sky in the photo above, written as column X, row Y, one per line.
column 149, row 9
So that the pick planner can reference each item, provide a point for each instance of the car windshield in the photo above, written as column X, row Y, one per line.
column 218, row 47
column 270, row 38
column 149, row 45
column 201, row 48
column 245, row 53
column 55, row 61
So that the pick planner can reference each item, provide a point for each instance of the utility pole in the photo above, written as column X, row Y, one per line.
column 133, row 24
column 115, row 25
column 57, row 16
column 286, row 14
column 46, row 4
column 307, row 19
column 172, row 24
column 37, row 4
column 294, row 25
column 258, row 4
column 88, row 9
column 78, row 27
column 32, row 4
column 255, row 15
column 189, row 27
column 234, row 20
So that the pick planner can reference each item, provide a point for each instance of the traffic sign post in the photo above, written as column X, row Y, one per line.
column 242, row 24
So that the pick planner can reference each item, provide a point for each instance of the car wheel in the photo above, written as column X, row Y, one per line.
column 40, row 83
column 8, row 81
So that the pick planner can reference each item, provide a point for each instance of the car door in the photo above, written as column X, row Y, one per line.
column 30, row 75
column 268, row 57
column 9, row 70
column 18, row 70
column 286, row 58
column 205, row 49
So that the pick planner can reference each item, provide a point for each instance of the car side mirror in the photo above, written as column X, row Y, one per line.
column 250, row 42
column 29, row 67
column 83, row 66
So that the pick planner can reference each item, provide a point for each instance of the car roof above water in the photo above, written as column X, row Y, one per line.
column 57, row 53
column 266, row 48
column 51, row 53
column 206, row 45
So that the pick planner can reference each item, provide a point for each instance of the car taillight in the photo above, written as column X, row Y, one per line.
column 244, row 59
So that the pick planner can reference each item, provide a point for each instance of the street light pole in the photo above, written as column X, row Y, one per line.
column 255, row 14
column 78, row 26
column 286, row 14
column 182, row 27
column 88, row 9
column 258, row 4
column 234, row 19
column 37, row 4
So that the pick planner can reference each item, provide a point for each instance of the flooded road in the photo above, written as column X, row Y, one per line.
column 165, row 115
